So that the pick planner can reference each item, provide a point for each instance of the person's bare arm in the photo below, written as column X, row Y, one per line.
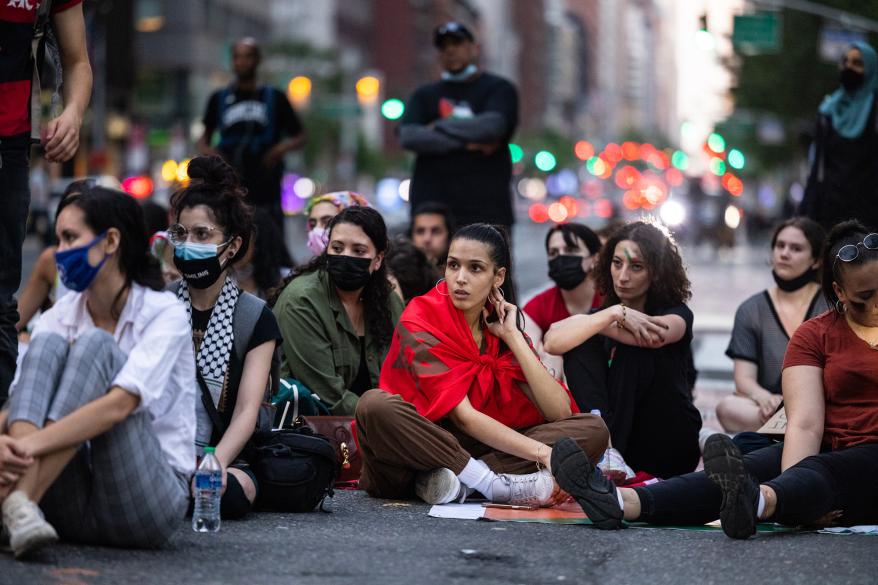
column 495, row 434
column 568, row 333
column 84, row 423
column 805, row 407
column 747, row 386
column 38, row 287
column 62, row 135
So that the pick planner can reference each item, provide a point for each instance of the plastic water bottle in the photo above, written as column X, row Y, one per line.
column 208, row 491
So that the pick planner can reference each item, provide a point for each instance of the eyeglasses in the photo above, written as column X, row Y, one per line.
column 178, row 234
column 851, row 252
column 449, row 28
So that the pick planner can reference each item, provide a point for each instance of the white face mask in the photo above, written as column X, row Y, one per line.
column 461, row 75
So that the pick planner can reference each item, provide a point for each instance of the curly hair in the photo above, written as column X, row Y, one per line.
column 376, row 294
column 668, row 283
column 216, row 185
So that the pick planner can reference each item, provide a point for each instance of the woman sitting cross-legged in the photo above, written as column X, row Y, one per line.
column 337, row 313
column 632, row 360
column 464, row 402
column 765, row 322
column 99, row 429
column 233, row 332
column 826, row 469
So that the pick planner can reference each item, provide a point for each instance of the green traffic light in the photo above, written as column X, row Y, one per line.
column 717, row 166
column 545, row 161
column 736, row 159
column 393, row 109
column 680, row 160
column 716, row 143
column 515, row 153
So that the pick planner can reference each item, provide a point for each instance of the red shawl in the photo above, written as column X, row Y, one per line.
column 433, row 363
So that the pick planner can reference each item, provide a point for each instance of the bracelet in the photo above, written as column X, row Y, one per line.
column 539, row 456
column 620, row 324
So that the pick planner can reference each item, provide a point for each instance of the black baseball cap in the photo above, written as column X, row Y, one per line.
column 453, row 30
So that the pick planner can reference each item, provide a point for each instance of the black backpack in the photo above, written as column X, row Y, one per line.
column 296, row 470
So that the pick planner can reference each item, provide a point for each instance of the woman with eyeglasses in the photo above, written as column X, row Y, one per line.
column 98, row 433
column 843, row 182
column 337, row 313
column 234, row 333
column 765, row 322
column 825, row 471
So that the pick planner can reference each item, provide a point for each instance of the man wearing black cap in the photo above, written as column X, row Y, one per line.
column 460, row 127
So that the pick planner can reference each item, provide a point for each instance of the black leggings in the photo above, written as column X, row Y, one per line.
column 845, row 480
column 652, row 422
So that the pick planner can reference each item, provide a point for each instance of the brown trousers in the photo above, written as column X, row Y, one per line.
column 396, row 442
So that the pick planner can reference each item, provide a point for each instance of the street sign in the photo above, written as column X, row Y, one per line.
column 757, row 33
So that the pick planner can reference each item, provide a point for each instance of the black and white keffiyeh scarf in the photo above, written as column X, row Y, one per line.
column 212, row 357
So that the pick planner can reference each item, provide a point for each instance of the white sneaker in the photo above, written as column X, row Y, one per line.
column 440, row 486
column 26, row 525
column 533, row 489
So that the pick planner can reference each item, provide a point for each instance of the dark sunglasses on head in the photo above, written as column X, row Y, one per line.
column 850, row 252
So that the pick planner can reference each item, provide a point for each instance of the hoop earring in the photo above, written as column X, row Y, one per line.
column 436, row 286
column 843, row 308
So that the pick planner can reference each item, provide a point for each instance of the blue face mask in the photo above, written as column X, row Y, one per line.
column 73, row 267
column 195, row 251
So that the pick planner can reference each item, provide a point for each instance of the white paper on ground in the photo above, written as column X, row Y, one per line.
column 865, row 529
column 458, row 511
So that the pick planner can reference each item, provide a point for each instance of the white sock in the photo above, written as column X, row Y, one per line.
column 478, row 475
column 621, row 500
column 760, row 507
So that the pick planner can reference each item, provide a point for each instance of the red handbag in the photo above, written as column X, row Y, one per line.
column 342, row 434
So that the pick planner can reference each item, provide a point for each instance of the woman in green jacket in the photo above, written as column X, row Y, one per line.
column 337, row 314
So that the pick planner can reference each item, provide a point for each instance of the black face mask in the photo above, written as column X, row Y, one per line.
column 567, row 271
column 348, row 272
column 199, row 273
column 794, row 284
column 851, row 80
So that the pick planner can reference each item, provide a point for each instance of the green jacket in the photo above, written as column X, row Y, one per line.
column 321, row 347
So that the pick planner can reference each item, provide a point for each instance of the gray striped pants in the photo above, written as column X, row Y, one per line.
column 119, row 489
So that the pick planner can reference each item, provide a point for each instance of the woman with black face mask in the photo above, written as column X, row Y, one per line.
column 234, row 333
column 572, row 249
column 337, row 313
column 843, row 182
column 765, row 323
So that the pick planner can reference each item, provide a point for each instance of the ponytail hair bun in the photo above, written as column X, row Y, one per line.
column 213, row 171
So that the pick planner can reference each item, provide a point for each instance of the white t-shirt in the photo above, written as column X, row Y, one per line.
column 153, row 330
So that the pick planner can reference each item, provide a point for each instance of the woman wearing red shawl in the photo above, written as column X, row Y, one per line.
column 465, row 404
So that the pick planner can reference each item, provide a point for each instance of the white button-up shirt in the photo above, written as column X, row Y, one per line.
column 153, row 330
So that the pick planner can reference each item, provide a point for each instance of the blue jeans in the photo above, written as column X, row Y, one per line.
column 14, row 199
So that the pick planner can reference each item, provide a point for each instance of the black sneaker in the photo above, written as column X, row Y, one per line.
column 724, row 465
column 585, row 482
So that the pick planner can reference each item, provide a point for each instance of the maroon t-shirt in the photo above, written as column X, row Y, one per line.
column 17, row 19
column 548, row 307
column 850, row 378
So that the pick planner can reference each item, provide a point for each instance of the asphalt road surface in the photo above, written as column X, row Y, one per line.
column 381, row 542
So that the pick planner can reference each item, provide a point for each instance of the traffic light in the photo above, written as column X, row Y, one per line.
column 393, row 109
column 299, row 91
column 736, row 159
column 545, row 161
column 368, row 88
column 716, row 143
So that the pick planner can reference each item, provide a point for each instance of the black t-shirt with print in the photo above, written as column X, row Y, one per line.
column 266, row 329
column 476, row 187
column 249, row 124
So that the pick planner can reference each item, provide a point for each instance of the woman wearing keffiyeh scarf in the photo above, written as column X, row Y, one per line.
column 465, row 405
column 212, row 231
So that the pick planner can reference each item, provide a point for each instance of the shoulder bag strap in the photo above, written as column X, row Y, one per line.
column 209, row 406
